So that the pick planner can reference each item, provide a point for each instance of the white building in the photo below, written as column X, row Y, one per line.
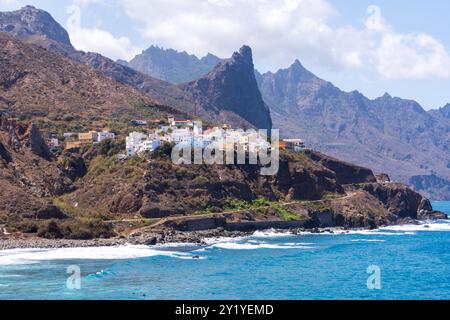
column 149, row 145
column 181, row 135
column 133, row 141
column 138, row 142
column 103, row 135
column 296, row 145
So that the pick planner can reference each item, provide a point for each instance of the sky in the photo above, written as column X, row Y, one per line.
column 374, row 46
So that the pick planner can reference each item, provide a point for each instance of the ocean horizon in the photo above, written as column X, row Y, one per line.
column 407, row 261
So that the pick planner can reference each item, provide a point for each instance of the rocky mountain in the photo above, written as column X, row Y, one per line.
column 172, row 66
column 231, row 89
column 162, row 92
column 30, row 22
column 388, row 134
column 37, row 83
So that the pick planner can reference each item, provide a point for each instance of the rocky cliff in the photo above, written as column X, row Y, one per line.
column 29, row 178
column 230, row 91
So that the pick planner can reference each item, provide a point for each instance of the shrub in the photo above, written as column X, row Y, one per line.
column 287, row 215
column 75, row 229
column 50, row 230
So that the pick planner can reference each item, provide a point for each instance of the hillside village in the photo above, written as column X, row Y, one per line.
column 181, row 132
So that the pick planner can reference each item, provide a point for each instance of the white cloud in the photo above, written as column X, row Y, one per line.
column 86, row 2
column 8, row 4
column 281, row 30
column 96, row 39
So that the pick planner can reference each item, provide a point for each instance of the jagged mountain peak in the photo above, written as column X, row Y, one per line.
column 231, row 88
column 172, row 65
column 244, row 54
column 445, row 110
column 30, row 21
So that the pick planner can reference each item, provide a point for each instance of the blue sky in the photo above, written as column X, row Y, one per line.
column 373, row 46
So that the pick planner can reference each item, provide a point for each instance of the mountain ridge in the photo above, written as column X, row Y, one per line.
column 388, row 134
column 171, row 65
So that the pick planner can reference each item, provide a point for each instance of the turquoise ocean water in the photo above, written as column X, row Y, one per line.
column 414, row 263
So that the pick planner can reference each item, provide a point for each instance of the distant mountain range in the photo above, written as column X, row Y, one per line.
column 172, row 66
column 389, row 134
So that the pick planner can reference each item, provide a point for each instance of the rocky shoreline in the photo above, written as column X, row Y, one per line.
column 151, row 239
column 165, row 237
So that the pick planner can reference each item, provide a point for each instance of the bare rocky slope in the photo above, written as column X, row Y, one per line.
column 36, row 82
column 29, row 178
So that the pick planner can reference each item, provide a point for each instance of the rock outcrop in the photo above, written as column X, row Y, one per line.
column 28, row 175
column 30, row 21
column 231, row 89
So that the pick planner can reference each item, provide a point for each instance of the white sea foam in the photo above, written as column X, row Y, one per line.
column 271, row 233
column 29, row 256
column 440, row 225
column 258, row 245
column 368, row 240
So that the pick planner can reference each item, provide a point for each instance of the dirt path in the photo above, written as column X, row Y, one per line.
column 161, row 221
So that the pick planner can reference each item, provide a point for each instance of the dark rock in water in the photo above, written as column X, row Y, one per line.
column 196, row 257
column 432, row 215
column 151, row 241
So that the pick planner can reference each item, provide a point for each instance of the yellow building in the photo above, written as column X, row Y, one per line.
column 73, row 144
column 87, row 137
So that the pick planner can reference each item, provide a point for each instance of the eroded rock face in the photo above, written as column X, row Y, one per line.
column 346, row 173
column 231, row 88
column 399, row 199
column 36, row 143
column 4, row 154
column 29, row 174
